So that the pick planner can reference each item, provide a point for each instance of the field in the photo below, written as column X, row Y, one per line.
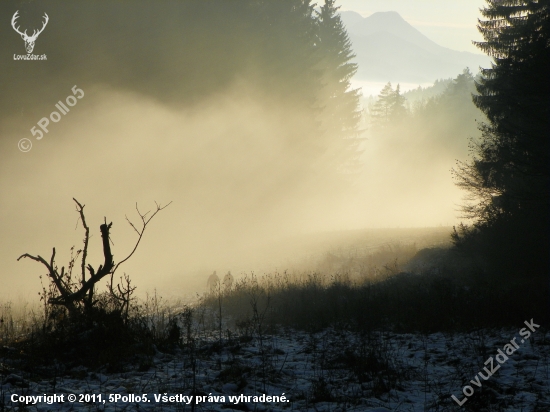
column 374, row 320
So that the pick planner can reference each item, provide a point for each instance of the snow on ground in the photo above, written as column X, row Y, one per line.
column 326, row 371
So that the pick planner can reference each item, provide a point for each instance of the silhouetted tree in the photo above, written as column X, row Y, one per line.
column 508, row 177
column 462, row 85
column 447, row 120
column 389, row 107
column 381, row 110
column 398, row 110
column 78, row 295
column 340, row 114
column 286, row 55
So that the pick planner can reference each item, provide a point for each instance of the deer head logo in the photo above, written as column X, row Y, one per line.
column 29, row 40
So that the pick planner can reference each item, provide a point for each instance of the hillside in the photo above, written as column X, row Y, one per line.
column 390, row 49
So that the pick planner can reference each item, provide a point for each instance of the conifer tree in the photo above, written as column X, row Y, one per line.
column 508, row 178
column 287, row 34
column 398, row 110
column 389, row 107
column 381, row 110
column 339, row 103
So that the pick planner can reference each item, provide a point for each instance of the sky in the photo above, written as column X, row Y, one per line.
column 450, row 23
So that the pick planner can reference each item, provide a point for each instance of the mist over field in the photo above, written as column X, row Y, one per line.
column 232, row 185
column 164, row 119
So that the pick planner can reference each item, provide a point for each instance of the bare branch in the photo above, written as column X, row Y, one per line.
column 52, row 273
column 144, row 221
column 80, row 210
column 37, row 258
column 52, row 259
column 72, row 296
column 102, row 271
column 131, row 224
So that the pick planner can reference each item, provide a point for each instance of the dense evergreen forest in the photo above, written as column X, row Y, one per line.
column 504, row 113
column 433, row 124
column 507, row 178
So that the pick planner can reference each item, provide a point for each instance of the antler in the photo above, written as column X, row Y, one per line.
column 15, row 17
column 36, row 33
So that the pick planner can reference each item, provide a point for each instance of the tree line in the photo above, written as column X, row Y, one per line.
column 433, row 128
column 506, row 179
column 507, row 176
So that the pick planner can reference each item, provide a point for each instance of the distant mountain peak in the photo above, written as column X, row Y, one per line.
column 350, row 18
column 379, row 15
column 388, row 47
column 389, row 22
column 386, row 15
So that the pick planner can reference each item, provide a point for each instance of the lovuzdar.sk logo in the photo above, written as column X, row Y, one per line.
column 29, row 40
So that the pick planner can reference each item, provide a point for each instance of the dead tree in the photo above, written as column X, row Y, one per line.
column 75, row 296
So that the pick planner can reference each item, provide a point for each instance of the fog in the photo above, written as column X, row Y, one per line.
column 220, row 164
column 231, row 162
column 233, row 187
